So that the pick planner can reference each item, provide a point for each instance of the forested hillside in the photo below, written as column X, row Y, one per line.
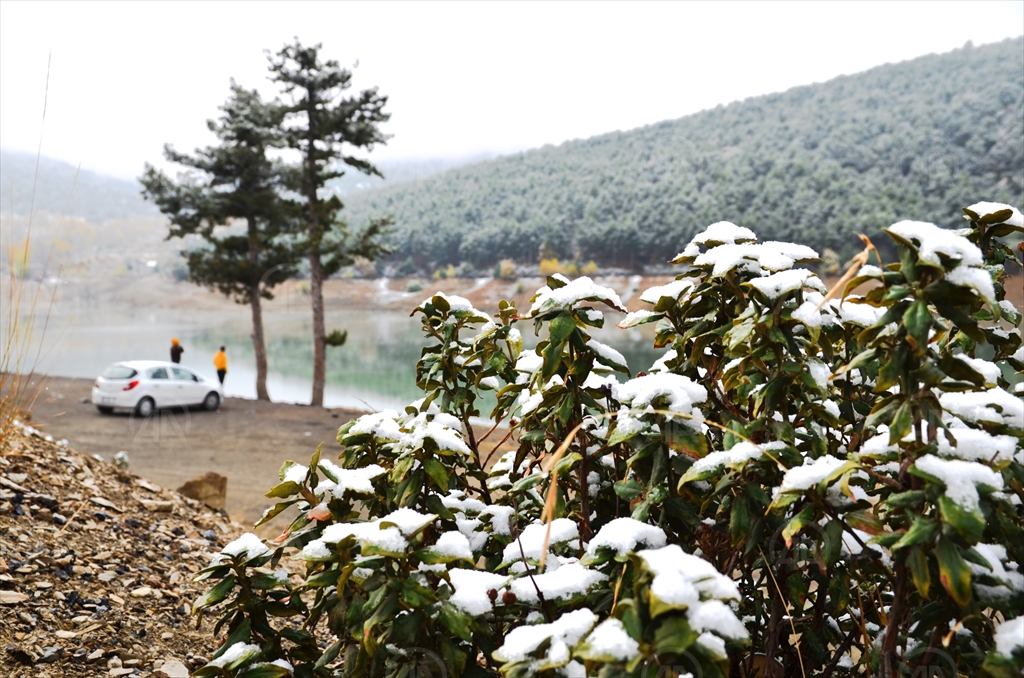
column 97, row 198
column 815, row 165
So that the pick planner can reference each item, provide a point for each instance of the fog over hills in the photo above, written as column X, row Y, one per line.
column 99, row 198
column 816, row 164
column 96, row 198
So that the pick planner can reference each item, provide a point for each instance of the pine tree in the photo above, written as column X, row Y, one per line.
column 319, row 123
column 235, row 180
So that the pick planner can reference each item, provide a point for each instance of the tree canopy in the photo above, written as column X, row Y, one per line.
column 815, row 164
column 234, row 180
column 324, row 125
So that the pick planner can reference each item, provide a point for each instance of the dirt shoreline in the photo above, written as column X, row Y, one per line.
column 245, row 440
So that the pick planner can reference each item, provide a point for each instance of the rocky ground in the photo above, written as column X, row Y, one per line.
column 96, row 567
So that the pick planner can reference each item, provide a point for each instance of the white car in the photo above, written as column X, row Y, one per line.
column 145, row 386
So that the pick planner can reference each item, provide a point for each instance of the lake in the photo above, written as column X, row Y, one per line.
column 374, row 370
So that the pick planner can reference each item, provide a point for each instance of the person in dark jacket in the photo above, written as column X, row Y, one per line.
column 176, row 350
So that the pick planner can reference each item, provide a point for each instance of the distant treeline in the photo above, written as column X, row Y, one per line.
column 815, row 164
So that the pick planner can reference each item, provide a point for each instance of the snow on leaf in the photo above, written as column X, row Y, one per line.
column 775, row 285
column 579, row 290
column 961, row 478
column 625, row 534
column 564, row 633
column 931, row 241
column 567, row 581
column 609, row 642
column 983, row 209
column 471, row 587
column 994, row 406
column 532, row 539
column 671, row 290
column 249, row 544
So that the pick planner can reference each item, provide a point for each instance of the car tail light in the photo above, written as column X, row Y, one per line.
column 131, row 385
column 96, row 384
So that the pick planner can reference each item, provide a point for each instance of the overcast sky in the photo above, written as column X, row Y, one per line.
column 462, row 78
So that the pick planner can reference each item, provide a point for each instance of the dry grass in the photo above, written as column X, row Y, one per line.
column 21, row 353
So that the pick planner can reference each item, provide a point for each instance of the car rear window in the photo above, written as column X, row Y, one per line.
column 118, row 372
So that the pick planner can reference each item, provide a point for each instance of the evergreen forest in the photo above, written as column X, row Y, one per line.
column 816, row 164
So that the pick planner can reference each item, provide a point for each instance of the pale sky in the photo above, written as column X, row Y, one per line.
column 462, row 78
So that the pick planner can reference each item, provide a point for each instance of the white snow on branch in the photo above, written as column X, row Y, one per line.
column 565, row 582
column 983, row 209
column 810, row 474
column 625, row 534
column 994, row 406
column 680, row 393
column 759, row 259
column 565, row 632
column 672, row 290
column 471, row 587
column 931, row 241
column 775, row 285
column 249, row 544
column 1009, row 636
column 355, row 480
column 610, row 641
column 735, row 457
column 579, row 290
column 606, row 353
column 532, row 539
column 961, row 478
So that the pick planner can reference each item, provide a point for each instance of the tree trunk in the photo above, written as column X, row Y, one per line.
column 319, row 345
column 258, row 344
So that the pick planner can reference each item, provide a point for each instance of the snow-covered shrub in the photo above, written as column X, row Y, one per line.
column 806, row 483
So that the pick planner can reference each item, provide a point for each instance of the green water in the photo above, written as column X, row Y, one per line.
column 375, row 369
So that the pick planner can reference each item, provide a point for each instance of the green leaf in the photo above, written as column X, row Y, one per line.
column 283, row 490
column 954, row 573
column 918, row 320
column 628, row 489
column 797, row 523
column 417, row 595
column 216, row 594
column 241, row 634
column 909, row 500
column 674, row 635
column 437, row 472
column 922, row 531
column 456, row 621
column 739, row 521
column 272, row 513
column 969, row 524
column 322, row 579
column 918, row 562
column 832, row 548
column 902, row 423
column 328, row 656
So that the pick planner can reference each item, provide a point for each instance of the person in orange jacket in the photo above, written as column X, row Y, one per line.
column 176, row 350
column 220, row 361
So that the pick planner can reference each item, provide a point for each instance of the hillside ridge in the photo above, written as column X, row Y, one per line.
column 816, row 164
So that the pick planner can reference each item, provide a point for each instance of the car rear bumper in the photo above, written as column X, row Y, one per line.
column 106, row 399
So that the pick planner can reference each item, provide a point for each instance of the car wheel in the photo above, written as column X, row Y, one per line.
column 145, row 407
column 104, row 410
column 211, row 401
